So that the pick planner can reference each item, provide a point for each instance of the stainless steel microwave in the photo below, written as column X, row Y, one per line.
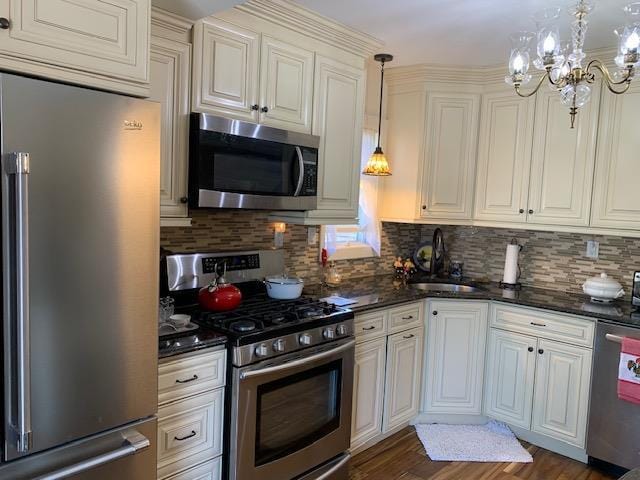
column 235, row 164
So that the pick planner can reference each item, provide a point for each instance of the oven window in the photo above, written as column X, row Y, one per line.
column 295, row 411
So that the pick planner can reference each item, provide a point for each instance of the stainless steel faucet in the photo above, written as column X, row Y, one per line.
column 436, row 266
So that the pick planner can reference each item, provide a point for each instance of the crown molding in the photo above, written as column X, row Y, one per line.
column 171, row 21
column 307, row 22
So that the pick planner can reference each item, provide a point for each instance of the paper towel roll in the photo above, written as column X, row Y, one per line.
column 511, row 264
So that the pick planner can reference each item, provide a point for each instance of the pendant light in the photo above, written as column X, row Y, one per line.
column 378, row 164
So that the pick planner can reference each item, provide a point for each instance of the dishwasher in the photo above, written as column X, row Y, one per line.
column 614, row 425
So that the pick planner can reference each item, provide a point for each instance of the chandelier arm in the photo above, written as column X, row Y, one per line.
column 625, row 89
column 597, row 64
column 535, row 90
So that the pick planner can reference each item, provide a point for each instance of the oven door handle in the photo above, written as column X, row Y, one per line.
column 301, row 175
column 297, row 363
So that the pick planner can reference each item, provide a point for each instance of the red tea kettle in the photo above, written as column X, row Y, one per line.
column 219, row 295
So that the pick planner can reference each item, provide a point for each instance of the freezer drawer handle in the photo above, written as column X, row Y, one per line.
column 335, row 468
column 613, row 338
column 186, row 437
column 133, row 443
column 195, row 377
column 16, row 292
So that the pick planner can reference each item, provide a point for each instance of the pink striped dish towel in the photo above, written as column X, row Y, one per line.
column 629, row 371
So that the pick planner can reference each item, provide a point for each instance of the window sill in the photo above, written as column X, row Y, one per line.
column 353, row 252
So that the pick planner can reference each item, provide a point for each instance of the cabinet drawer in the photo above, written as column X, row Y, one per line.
column 371, row 325
column 207, row 471
column 189, row 432
column 405, row 317
column 564, row 328
column 190, row 375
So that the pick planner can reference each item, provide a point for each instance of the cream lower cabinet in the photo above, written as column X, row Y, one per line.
column 535, row 382
column 388, row 369
column 455, row 352
column 243, row 74
column 100, row 43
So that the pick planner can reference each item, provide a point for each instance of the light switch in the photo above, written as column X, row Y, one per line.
column 593, row 249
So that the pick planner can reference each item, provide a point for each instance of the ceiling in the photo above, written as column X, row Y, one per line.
column 195, row 9
column 460, row 32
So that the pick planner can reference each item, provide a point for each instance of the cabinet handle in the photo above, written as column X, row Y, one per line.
column 255, row 107
column 435, row 312
column 372, row 327
column 191, row 435
column 410, row 317
column 540, row 351
column 538, row 324
column 264, row 109
column 4, row 23
column 184, row 199
column 407, row 337
column 195, row 377
column 522, row 210
column 530, row 212
column 424, row 207
column 530, row 349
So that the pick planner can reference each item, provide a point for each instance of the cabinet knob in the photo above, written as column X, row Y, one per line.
column 264, row 109
column 255, row 107
column 435, row 312
column 530, row 212
column 540, row 351
column 424, row 207
column 522, row 210
column 184, row 199
column 4, row 23
column 530, row 349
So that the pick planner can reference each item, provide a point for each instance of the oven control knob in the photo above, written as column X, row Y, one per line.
column 262, row 350
column 279, row 345
column 329, row 333
column 341, row 330
column 305, row 339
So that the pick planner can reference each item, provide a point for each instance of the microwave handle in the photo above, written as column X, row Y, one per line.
column 301, row 176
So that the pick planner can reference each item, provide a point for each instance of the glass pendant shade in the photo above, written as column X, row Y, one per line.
column 548, row 38
column 519, row 58
column 377, row 164
column 629, row 38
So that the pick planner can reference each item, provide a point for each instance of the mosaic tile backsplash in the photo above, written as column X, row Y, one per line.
column 548, row 259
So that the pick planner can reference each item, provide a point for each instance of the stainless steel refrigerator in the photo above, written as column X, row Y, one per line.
column 80, row 228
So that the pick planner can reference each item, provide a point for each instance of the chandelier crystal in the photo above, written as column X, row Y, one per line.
column 564, row 64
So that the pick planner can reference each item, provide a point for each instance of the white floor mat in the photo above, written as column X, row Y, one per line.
column 492, row 442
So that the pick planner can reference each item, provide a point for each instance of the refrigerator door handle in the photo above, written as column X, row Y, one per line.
column 133, row 442
column 17, row 166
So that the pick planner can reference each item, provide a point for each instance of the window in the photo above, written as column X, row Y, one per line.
column 362, row 240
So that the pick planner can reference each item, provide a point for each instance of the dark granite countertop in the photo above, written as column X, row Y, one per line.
column 201, row 339
column 384, row 291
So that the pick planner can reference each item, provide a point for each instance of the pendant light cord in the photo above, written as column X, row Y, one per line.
column 380, row 111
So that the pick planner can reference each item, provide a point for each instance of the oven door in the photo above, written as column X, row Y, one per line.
column 292, row 414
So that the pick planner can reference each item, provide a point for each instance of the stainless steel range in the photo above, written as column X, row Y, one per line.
column 291, row 376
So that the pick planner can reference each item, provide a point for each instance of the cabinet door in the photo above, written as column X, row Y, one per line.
column 561, row 400
column 170, row 69
column 511, row 364
column 450, row 155
column 337, row 120
column 615, row 197
column 456, row 336
column 368, row 391
column 562, row 162
column 108, row 38
column 286, row 85
column 504, row 158
column 225, row 69
column 404, row 371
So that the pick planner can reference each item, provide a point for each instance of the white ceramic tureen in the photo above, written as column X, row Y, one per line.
column 602, row 289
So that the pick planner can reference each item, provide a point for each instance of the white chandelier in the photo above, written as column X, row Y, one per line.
column 564, row 65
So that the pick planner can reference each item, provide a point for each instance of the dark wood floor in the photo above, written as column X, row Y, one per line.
column 403, row 457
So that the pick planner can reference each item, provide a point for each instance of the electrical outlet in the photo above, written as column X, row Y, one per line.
column 593, row 249
column 312, row 235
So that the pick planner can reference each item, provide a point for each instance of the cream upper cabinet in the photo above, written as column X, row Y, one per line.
column 286, row 85
column 225, row 69
column 337, row 120
column 170, row 72
column 561, row 400
column 511, row 364
column 368, row 391
column 456, row 333
column 403, row 374
column 104, row 40
column 562, row 162
column 504, row 157
column 450, row 155
column 615, row 199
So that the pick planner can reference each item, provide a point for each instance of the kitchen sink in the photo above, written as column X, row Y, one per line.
column 446, row 287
